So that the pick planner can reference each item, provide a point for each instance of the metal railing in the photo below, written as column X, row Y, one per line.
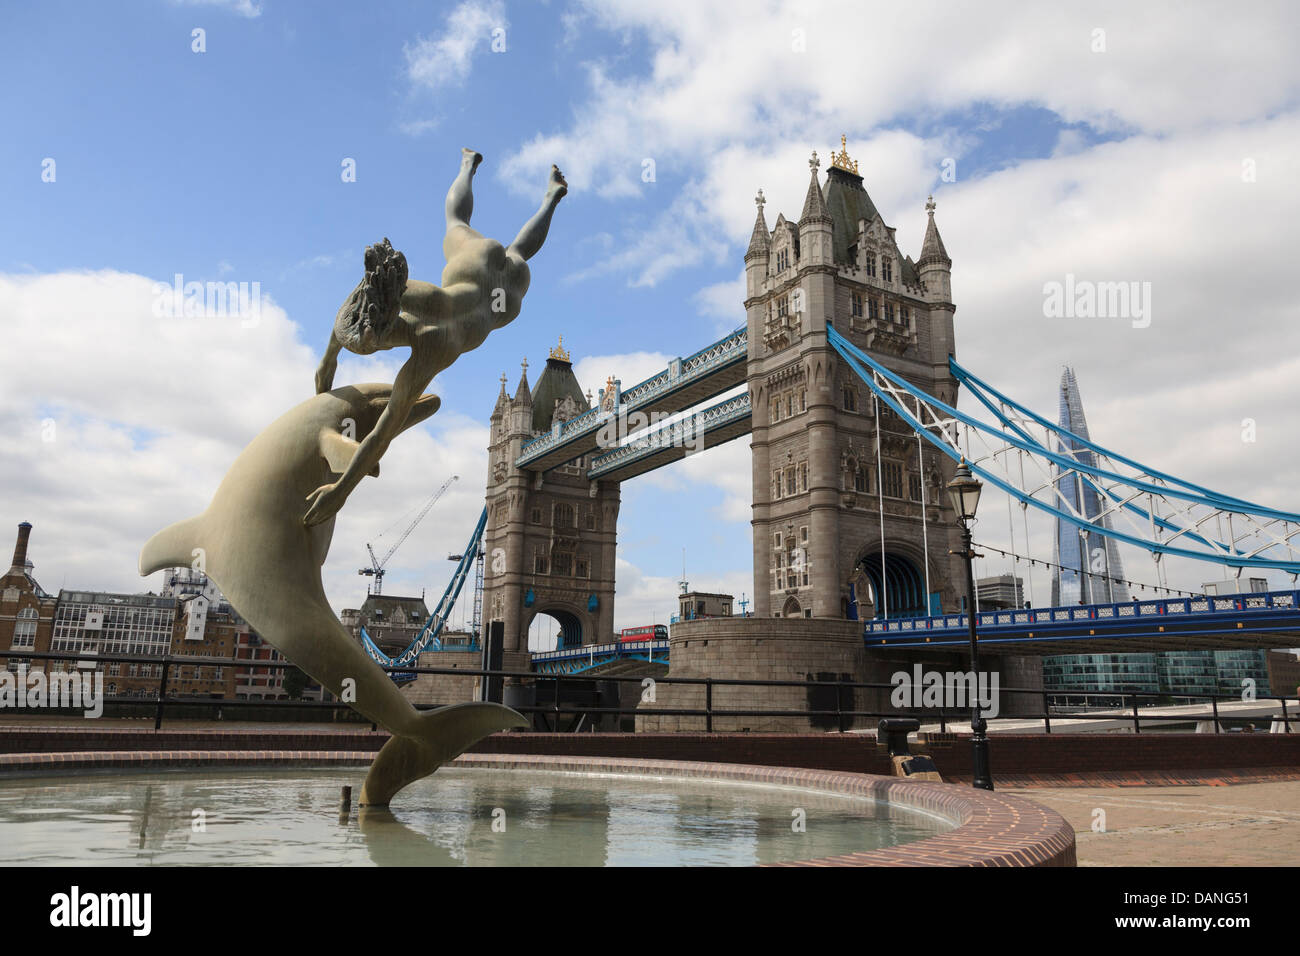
column 840, row 716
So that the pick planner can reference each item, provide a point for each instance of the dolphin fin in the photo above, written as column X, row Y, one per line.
column 441, row 735
column 172, row 547
column 338, row 451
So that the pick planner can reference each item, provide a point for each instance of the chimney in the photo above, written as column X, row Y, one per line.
column 20, row 549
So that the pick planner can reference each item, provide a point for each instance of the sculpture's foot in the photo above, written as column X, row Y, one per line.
column 438, row 736
column 556, row 187
column 470, row 159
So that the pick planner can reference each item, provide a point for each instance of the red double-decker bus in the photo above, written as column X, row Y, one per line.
column 646, row 632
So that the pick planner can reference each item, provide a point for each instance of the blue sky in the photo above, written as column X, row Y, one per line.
column 226, row 165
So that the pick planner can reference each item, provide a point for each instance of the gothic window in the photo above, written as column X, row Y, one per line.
column 855, row 302
column 891, row 479
column 873, row 309
column 886, row 268
column 536, row 515
column 889, row 311
column 903, row 314
column 776, row 541
column 789, row 404
column 861, row 480
column 914, row 487
column 871, row 264
column 591, row 521
column 776, row 409
column 783, row 307
column 539, row 563
column 803, row 399
column 789, row 480
column 803, row 534
column 803, row 476
column 562, row 564
column 582, row 568
column 850, row 398
column 776, row 484
column 564, row 516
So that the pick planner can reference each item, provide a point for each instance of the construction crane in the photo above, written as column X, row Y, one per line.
column 376, row 569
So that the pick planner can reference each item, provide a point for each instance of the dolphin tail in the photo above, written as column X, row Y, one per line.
column 441, row 735
column 172, row 547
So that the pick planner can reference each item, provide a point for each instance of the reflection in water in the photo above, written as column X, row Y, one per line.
column 457, row 817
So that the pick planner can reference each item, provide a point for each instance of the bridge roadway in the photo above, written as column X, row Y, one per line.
column 685, row 383
column 1268, row 619
column 1205, row 622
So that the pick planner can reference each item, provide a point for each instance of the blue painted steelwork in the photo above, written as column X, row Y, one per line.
column 1009, row 435
column 673, row 435
column 429, row 636
column 711, row 359
column 1216, row 614
column 574, row 660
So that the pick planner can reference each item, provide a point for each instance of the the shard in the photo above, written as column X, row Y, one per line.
column 1090, row 570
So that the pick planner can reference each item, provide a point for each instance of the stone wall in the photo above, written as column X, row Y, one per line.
column 793, row 649
column 442, row 689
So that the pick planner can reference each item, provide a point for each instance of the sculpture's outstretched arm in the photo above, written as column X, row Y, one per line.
column 411, row 380
column 329, row 364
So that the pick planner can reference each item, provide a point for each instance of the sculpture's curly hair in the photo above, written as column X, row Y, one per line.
column 370, row 311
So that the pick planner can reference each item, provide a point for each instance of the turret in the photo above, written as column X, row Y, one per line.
column 815, row 223
column 934, row 266
column 759, row 252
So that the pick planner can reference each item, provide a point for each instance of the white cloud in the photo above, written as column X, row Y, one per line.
column 445, row 60
column 148, row 414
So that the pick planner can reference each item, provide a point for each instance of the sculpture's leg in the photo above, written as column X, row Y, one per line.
column 460, row 197
column 533, row 234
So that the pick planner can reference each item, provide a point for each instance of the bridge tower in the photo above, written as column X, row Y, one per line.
column 831, row 472
column 550, row 536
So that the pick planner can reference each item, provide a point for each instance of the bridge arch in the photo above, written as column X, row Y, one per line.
column 898, row 576
column 573, row 625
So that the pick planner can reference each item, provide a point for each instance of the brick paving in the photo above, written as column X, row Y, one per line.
column 1242, row 824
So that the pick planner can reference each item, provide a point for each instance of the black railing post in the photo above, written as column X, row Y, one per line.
column 1286, row 721
column 1214, row 705
column 839, row 706
column 1047, row 714
column 708, row 706
column 1137, row 725
column 556, row 706
column 162, row 695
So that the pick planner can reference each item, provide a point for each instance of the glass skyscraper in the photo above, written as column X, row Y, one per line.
column 1090, row 570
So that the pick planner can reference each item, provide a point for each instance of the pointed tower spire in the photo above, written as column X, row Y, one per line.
column 932, row 249
column 761, row 240
column 523, row 393
column 814, row 204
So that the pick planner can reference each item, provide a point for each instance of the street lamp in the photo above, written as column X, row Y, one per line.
column 964, row 491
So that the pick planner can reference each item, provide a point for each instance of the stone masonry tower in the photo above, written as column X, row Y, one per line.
column 550, row 537
column 834, row 476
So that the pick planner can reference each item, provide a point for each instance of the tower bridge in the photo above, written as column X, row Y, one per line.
column 850, row 375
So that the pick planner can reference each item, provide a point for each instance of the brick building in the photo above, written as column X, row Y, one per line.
column 26, row 611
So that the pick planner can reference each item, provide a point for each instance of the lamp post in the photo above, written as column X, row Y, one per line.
column 964, row 491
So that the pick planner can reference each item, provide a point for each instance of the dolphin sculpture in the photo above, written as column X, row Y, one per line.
column 252, row 542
